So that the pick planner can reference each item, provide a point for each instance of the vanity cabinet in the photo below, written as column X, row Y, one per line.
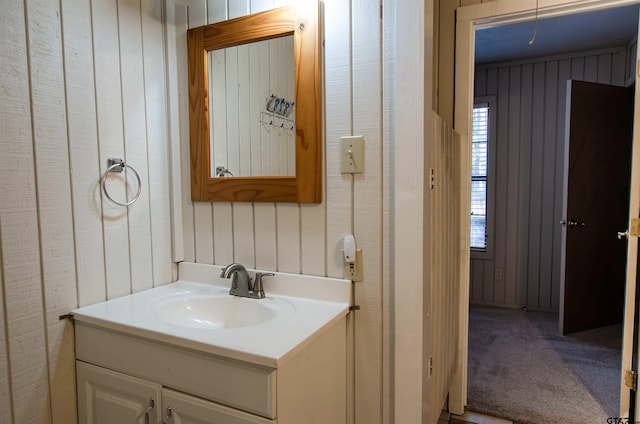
column 107, row 397
column 119, row 372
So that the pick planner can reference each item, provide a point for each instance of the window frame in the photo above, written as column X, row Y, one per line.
column 487, row 252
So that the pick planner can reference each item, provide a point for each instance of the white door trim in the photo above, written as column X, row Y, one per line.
column 469, row 18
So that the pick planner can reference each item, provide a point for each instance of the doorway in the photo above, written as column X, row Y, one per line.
column 547, row 296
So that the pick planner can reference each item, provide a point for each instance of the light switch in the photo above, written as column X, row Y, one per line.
column 352, row 154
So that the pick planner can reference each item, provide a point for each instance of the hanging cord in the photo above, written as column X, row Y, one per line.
column 535, row 26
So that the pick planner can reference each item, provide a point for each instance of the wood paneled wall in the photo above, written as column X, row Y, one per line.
column 81, row 81
column 444, row 266
column 529, row 148
column 308, row 239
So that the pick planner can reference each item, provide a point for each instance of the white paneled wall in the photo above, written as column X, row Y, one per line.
column 80, row 81
column 444, row 223
column 308, row 238
column 528, row 184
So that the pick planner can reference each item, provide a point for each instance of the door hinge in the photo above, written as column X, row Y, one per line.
column 432, row 179
column 631, row 380
column 430, row 367
column 634, row 228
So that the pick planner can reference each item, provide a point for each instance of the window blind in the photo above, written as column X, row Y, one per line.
column 479, row 173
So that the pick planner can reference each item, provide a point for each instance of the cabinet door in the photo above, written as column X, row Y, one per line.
column 108, row 397
column 185, row 409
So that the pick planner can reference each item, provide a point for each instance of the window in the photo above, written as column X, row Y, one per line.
column 479, row 174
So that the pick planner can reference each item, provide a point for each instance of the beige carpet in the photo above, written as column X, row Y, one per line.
column 521, row 369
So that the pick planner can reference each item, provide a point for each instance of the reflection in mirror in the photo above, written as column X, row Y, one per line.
column 252, row 117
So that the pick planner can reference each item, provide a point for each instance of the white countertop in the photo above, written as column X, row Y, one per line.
column 270, row 344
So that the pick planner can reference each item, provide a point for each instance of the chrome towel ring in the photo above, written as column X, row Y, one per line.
column 118, row 165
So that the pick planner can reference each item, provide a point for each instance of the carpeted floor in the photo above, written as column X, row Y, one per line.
column 521, row 369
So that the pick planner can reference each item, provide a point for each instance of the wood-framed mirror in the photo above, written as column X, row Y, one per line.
column 301, row 22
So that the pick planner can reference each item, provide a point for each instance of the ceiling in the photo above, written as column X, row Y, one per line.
column 572, row 33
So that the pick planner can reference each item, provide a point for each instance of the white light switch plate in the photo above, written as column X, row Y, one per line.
column 352, row 154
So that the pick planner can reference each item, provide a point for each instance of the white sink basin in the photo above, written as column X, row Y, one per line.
column 226, row 311
column 198, row 313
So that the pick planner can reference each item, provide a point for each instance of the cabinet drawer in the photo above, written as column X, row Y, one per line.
column 237, row 384
column 187, row 409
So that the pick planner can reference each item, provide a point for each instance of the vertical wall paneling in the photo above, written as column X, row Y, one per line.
column 591, row 70
column 529, row 166
column 135, row 139
column 618, row 62
column 233, row 118
column 524, row 175
column 444, row 261
column 6, row 409
column 244, row 110
column 175, row 67
column 81, row 82
column 313, row 239
column 54, row 197
column 158, row 149
column 255, row 70
column 564, row 70
column 178, row 14
column 288, row 60
column 338, row 122
column 535, row 206
column 549, row 225
column 243, row 240
column 411, row 197
column 84, row 155
column 20, row 240
column 494, row 289
column 111, row 141
column 266, row 164
column 367, row 84
column 513, row 193
column 288, row 233
column 388, row 119
column 222, row 233
column 202, row 212
column 265, row 236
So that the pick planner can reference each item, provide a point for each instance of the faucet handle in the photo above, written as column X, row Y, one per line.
column 258, row 288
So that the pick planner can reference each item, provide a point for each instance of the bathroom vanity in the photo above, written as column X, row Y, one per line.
column 188, row 352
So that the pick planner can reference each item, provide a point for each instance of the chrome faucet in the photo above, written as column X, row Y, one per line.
column 241, row 284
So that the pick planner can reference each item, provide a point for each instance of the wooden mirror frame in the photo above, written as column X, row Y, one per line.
column 306, row 187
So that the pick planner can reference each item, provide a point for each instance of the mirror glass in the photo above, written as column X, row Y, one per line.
column 252, row 116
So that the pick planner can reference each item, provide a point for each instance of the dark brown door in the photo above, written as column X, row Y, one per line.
column 596, row 204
